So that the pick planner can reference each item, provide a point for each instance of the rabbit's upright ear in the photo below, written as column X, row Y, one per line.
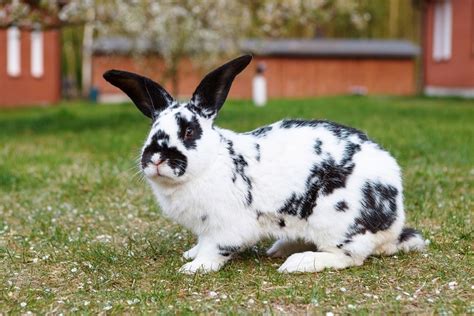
column 149, row 97
column 211, row 93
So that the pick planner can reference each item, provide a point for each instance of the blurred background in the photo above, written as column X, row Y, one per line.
column 59, row 49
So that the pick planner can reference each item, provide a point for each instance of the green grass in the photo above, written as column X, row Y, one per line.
column 80, row 232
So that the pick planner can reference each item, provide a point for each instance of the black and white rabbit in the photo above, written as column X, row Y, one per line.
column 330, row 195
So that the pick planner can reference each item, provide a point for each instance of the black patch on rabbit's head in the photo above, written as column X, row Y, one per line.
column 159, row 144
column 189, row 130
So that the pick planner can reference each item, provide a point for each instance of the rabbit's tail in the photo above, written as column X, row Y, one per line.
column 410, row 240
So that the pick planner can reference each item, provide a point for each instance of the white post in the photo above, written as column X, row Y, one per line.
column 13, row 51
column 37, row 56
column 259, row 86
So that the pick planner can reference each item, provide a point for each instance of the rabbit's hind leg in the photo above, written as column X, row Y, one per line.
column 311, row 261
column 282, row 248
column 353, row 253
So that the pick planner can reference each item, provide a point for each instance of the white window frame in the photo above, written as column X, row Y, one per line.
column 37, row 53
column 442, row 30
column 13, row 51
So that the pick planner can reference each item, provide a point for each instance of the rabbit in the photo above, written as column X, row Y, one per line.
column 328, row 194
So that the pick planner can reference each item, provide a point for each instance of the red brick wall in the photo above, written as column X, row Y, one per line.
column 286, row 76
column 459, row 70
column 25, row 89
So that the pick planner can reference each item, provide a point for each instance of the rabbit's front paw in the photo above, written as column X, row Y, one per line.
column 200, row 266
column 191, row 253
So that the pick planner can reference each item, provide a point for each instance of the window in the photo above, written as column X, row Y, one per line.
column 13, row 51
column 442, row 30
column 37, row 68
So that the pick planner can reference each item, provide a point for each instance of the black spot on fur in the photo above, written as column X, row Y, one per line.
column 347, row 253
column 292, row 205
column 172, row 156
column 195, row 128
column 349, row 151
column 281, row 223
column 407, row 233
column 317, row 147
column 338, row 130
column 259, row 214
column 240, row 164
column 174, row 106
column 227, row 250
column 378, row 209
column 345, row 242
column 341, row 206
column 303, row 204
column 257, row 148
column 203, row 112
column 261, row 132
column 203, row 218
column 324, row 177
column 299, row 123
column 331, row 175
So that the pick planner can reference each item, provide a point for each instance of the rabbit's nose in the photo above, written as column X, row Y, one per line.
column 159, row 162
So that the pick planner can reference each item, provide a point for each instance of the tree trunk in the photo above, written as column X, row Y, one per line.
column 393, row 18
column 87, row 42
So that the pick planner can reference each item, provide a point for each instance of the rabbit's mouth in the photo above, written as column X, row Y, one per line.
column 164, row 168
column 152, row 169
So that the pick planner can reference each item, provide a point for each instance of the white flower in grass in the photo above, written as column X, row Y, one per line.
column 452, row 285
column 107, row 306
column 133, row 302
column 23, row 304
column 104, row 238
column 212, row 294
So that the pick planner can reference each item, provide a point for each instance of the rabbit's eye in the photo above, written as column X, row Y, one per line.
column 188, row 133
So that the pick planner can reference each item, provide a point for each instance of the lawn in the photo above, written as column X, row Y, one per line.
column 80, row 231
